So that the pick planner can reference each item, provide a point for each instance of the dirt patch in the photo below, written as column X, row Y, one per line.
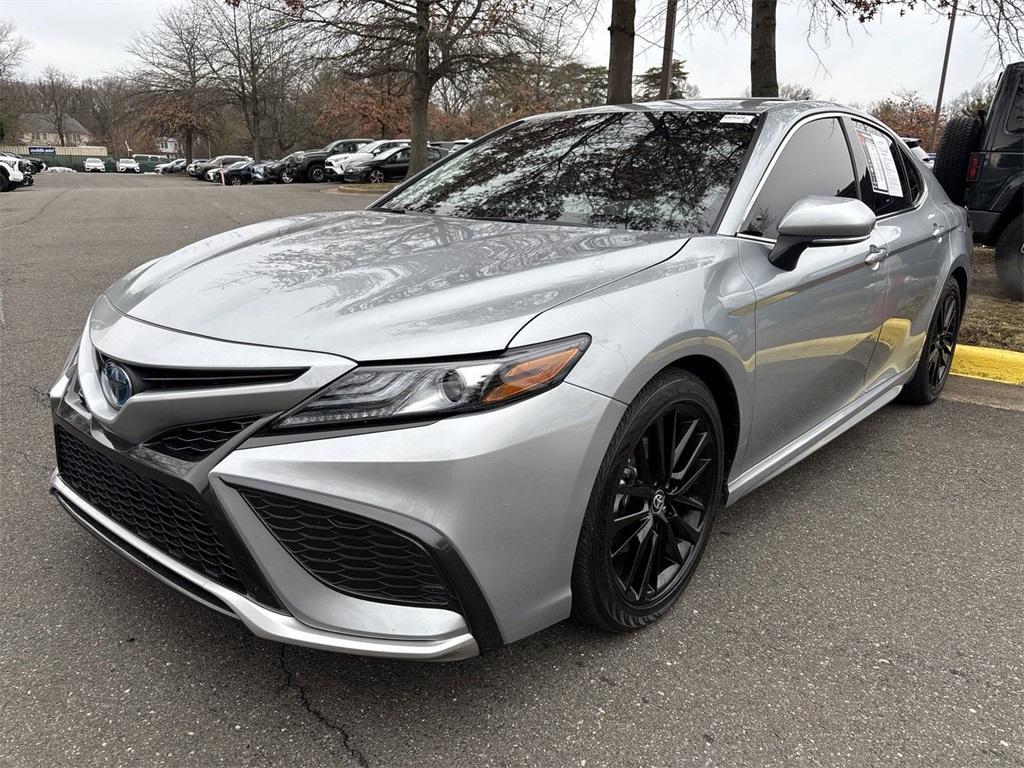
column 993, row 319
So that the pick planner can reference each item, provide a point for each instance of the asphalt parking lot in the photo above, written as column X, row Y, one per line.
column 864, row 609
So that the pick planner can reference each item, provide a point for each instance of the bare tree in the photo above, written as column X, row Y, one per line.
column 252, row 57
column 13, row 48
column 425, row 41
column 57, row 93
column 170, row 75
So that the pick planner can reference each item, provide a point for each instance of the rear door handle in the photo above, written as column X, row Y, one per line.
column 876, row 255
column 938, row 231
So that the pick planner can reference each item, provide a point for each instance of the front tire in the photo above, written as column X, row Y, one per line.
column 235, row 181
column 652, row 506
column 287, row 177
column 1010, row 258
column 316, row 173
column 376, row 177
column 937, row 356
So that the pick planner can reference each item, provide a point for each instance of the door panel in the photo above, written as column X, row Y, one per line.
column 915, row 231
column 817, row 327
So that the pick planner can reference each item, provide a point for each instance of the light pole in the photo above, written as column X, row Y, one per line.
column 942, row 79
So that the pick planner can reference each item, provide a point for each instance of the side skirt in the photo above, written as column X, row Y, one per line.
column 815, row 438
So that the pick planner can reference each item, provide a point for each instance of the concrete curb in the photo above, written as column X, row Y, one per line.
column 991, row 364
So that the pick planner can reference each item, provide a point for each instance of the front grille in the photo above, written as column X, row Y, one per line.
column 172, row 521
column 149, row 377
column 194, row 442
column 354, row 555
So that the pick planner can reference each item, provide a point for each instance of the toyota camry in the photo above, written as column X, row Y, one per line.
column 518, row 387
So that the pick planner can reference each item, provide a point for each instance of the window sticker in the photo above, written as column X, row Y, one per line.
column 741, row 119
column 885, row 177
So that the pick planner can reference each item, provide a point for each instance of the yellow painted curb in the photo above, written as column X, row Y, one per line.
column 987, row 363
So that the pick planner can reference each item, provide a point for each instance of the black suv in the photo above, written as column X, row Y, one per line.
column 980, row 164
column 309, row 164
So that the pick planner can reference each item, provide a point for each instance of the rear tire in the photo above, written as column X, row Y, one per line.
column 959, row 139
column 5, row 183
column 939, row 346
column 1010, row 258
column 646, row 527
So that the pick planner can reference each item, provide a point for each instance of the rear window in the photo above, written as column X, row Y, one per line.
column 645, row 170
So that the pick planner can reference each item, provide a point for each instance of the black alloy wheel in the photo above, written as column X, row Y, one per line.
column 939, row 346
column 235, row 181
column 376, row 176
column 652, row 507
column 660, row 507
column 942, row 340
column 316, row 174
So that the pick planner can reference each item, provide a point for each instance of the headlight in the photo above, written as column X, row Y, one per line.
column 429, row 390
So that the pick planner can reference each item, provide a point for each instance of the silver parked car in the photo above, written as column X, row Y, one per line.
column 520, row 386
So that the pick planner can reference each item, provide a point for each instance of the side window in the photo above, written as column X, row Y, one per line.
column 1015, row 114
column 815, row 161
column 884, row 185
column 401, row 157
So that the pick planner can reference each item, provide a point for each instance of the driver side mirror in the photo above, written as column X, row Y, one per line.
column 817, row 221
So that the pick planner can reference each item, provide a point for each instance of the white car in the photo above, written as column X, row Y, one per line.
column 10, row 175
column 94, row 165
column 337, row 164
column 128, row 165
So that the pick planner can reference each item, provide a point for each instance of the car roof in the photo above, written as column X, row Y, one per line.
column 745, row 105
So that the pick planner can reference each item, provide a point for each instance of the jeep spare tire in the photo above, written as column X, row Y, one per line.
column 959, row 139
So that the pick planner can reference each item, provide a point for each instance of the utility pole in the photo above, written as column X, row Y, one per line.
column 666, row 56
column 942, row 79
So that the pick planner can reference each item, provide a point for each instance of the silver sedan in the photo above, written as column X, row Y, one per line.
column 520, row 386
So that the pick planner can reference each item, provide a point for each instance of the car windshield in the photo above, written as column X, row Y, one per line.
column 646, row 170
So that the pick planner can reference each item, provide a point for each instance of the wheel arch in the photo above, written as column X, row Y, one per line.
column 717, row 379
column 960, row 275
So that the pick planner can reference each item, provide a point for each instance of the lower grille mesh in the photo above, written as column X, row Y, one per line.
column 350, row 553
column 194, row 442
column 171, row 521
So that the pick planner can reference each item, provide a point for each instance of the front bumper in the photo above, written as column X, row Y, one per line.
column 497, row 497
column 261, row 621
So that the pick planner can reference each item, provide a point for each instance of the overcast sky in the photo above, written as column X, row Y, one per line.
column 858, row 64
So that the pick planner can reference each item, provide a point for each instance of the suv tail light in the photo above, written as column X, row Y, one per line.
column 973, row 166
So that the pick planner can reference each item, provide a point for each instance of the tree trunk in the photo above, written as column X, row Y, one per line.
column 188, row 144
column 763, row 78
column 620, row 57
column 257, row 130
column 420, row 89
column 666, row 54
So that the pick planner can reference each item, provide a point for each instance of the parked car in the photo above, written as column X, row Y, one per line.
column 577, row 341
column 336, row 163
column 192, row 169
column 238, row 173
column 282, row 171
column 221, row 161
column 174, row 166
column 128, row 165
column 339, row 163
column 392, row 165
column 25, row 166
column 11, row 175
column 94, row 165
column 980, row 163
column 914, row 145
column 36, row 165
column 259, row 172
column 310, row 164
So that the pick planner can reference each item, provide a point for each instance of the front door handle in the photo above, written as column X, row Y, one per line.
column 876, row 255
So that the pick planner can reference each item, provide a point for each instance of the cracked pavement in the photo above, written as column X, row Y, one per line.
column 866, row 608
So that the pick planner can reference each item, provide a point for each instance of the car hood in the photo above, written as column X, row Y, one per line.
column 370, row 285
